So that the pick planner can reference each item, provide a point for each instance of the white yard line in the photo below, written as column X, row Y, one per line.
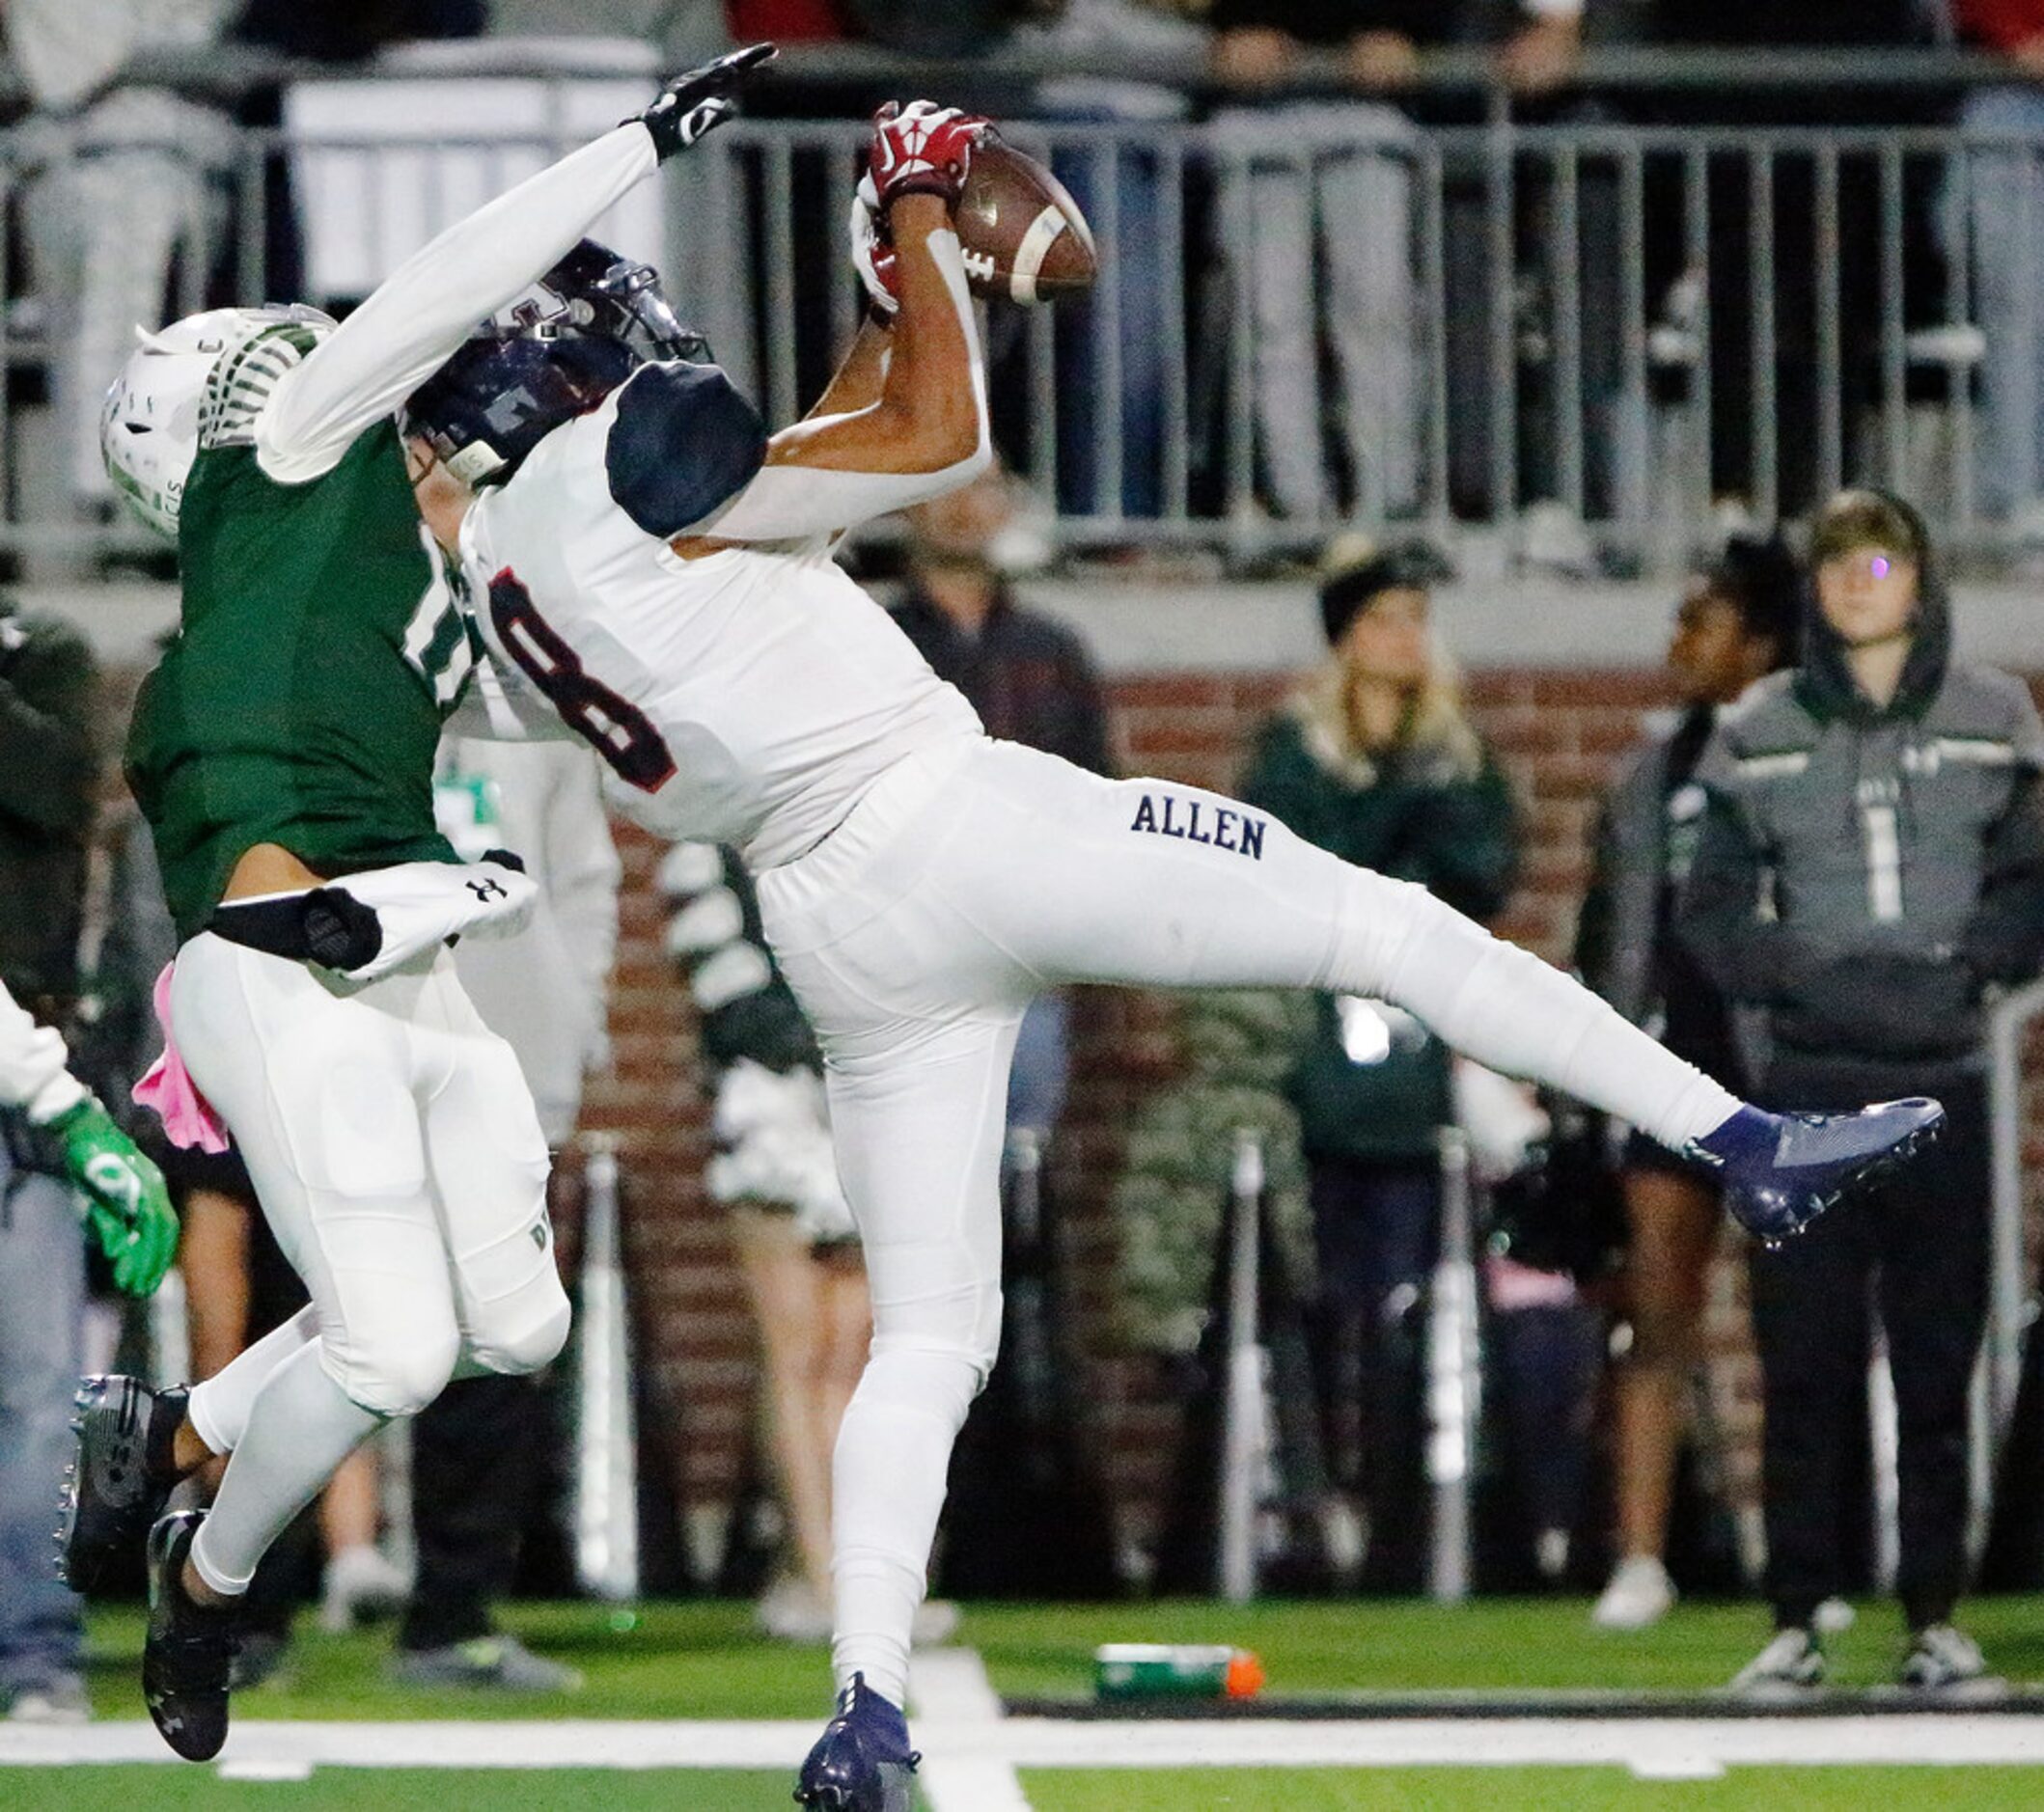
column 957, row 1721
column 973, row 1756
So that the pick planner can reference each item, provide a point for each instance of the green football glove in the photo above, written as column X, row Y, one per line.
column 127, row 1202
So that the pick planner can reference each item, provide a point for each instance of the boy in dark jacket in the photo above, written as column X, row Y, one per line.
column 1872, row 858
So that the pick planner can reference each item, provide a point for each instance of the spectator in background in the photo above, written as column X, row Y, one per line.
column 47, row 780
column 354, row 32
column 121, row 180
column 477, row 1464
column 1376, row 761
column 1872, row 858
column 1740, row 434
column 1737, row 622
column 49, row 1126
column 1140, row 278
column 1322, row 212
column 1031, row 680
column 1993, row 207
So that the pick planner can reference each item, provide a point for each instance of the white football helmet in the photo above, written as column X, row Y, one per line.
column 149, row 423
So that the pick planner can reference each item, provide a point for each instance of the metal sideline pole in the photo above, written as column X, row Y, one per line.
column 606, row 1459
column 2007, row 1026
column 1244, row 1438
column 1454, row 1384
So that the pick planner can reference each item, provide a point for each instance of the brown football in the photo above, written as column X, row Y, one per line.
column 1023, row 237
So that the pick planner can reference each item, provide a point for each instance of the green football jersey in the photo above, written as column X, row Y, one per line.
column 321, row 647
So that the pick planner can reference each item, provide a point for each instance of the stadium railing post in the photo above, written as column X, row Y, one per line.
column 606, row 1500
column 1245, row 1439
column 1454, row 1382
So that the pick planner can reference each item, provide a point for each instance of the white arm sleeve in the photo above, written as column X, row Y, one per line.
column 415, row 318
column 789, row 502
column 32, row 1059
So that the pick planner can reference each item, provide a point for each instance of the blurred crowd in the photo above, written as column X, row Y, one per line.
column 1769, row 295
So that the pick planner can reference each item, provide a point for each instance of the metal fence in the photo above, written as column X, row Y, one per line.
column 1596, row 339
column 1599, row 339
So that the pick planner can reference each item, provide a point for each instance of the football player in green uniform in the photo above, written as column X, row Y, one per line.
column 283, row 754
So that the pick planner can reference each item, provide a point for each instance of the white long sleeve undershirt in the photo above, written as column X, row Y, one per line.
column 419, row 314
column 32, row 1065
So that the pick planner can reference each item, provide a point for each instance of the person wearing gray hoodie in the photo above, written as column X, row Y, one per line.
column 1871, row 865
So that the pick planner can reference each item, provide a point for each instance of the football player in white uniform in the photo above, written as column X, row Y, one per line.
column 661, row 571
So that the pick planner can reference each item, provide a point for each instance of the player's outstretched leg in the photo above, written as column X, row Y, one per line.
column 119, row 1477
column 189, row 1650
column 862, row 1762
column 1781, row 1171
column 1164, row 885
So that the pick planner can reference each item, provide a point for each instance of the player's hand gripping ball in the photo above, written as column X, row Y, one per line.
column 920, row 148
column 1022, row 235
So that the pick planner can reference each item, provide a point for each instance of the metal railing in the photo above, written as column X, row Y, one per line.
column 1592, row 339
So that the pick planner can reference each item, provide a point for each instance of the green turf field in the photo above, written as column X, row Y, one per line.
column 697, row 1659
column 698, row 1664
column 1378, row 1645
column 388, row 1789
column 1547, row 1790
column 689, row 1659
column 1049, row 1790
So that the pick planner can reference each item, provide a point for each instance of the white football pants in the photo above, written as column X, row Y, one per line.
column 393, row 1147
column 970, row 878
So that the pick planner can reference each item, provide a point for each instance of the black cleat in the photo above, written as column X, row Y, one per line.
column 862, row 1762
column 111, row 1498
column 190, row 1649
column 1781, row 1171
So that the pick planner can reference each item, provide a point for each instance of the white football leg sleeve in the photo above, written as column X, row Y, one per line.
column 300, row 1428
column 219, row 1406
column 921, row 1164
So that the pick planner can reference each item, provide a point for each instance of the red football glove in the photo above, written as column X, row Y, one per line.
column 872, row 256
column 922, row 148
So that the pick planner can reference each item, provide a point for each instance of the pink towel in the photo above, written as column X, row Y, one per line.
column 188, row 1118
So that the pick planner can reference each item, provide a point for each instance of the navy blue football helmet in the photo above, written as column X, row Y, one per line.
column 554, row 351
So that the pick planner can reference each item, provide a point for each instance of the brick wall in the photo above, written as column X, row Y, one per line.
column 1559, row 733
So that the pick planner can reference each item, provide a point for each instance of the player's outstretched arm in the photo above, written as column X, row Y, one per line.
column 906, row 418
column 414, row 320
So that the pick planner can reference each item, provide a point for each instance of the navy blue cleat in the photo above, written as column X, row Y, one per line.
column 862, row 1762
column 189, row 1651
column 112, row 1495
column 1781, row 1171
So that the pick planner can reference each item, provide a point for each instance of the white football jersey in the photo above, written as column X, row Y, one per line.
column 748, row 697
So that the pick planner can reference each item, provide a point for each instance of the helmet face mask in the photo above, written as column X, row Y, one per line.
column 152, row 422
column 599, row 294
column 555, row 351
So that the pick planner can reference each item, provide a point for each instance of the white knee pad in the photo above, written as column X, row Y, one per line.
column 393, row 1377
column 525, row 1332
column 963, row 1328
